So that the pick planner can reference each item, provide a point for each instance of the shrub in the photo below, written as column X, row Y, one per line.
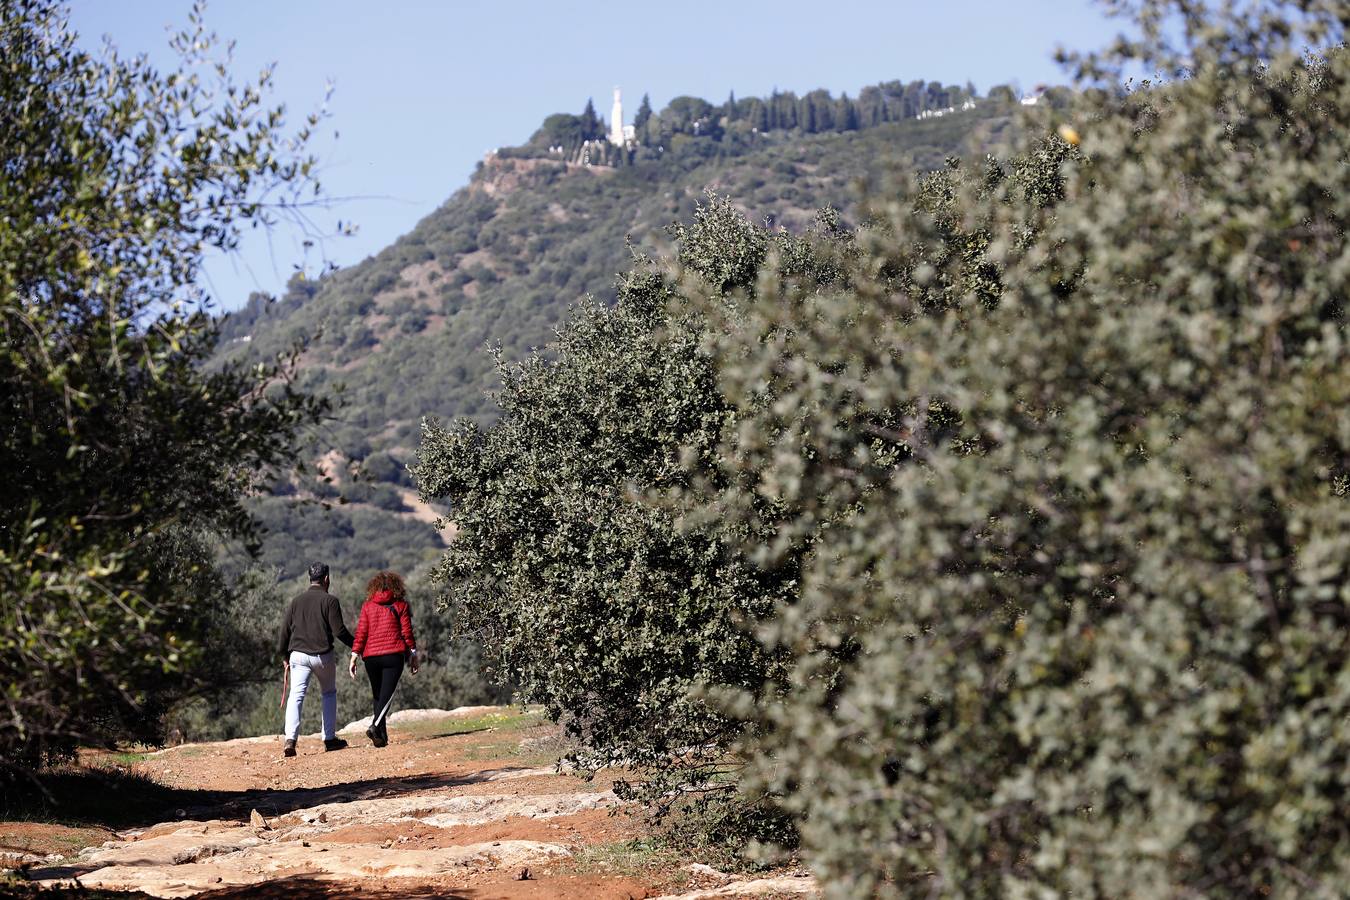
column 125, row 458
column 1070, row 460
column 608, row 608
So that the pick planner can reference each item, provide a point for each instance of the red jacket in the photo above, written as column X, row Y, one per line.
column 385, row 626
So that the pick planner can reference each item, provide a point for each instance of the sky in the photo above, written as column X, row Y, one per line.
column 422, row 89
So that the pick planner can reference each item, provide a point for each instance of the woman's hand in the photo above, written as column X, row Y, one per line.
column 351, row 666
column 413, row 662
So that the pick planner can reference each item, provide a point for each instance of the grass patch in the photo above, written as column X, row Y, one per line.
column 49, row 838
column 641, row 857
column 127, row 758
column 501, row 736
column 512, row 721
column 533, row 759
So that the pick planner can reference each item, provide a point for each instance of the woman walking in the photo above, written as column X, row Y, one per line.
column 384, row 639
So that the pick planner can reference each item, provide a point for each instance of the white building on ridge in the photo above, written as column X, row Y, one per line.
column 619, row 133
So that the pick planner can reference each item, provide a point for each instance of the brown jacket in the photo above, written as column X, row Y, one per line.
column 312, row 620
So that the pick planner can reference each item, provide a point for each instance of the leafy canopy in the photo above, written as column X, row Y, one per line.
column 1073, row 615
column 123, row 457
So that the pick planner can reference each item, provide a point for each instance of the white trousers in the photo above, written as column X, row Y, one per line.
column 323, row 668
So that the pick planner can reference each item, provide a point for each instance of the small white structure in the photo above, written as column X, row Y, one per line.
column 1034, row 97
column 619, row 133
column 935, row 113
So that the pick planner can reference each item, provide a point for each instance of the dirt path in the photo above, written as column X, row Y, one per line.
column 460, row 804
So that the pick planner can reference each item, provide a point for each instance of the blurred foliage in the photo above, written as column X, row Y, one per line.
column 1051, row 453
column 1069, row 462
column 124, row 462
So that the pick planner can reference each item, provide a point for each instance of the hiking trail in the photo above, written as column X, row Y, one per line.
column 462, row 803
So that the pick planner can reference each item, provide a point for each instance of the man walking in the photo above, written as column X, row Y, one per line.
column 306, row 644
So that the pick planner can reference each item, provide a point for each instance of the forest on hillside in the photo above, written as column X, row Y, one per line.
column 739, row 125
column 409, row 333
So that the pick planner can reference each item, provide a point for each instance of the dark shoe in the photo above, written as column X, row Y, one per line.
column 374, row 738
column 290, row 749
column 379, row 740
column 335, row 744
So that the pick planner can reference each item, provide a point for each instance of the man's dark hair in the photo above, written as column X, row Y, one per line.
column 317, row 572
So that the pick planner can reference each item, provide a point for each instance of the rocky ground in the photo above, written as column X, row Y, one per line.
column 466, row 803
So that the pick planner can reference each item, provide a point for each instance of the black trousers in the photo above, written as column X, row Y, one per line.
column 383, row 672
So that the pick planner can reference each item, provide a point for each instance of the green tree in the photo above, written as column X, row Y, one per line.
column 605, row 606
column 562, row 130
column 1002, row 94
column 642, row 121
column 1070, row 457
column 591, row 126
column 759, row 115
column 806, row 114
column 124, row 459
column 685, row 114
column 846, row 114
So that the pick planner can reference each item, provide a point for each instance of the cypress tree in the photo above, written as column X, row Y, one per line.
column 759, row 115
column 642, row 121
column 806, row 114
column 846, row 116
column 591, row 126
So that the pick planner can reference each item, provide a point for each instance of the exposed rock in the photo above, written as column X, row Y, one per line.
column 804, row 885
column 706, row 871
column 443, row 809
column 340, row 862
column 403, row 716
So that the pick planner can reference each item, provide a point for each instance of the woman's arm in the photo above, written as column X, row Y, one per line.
column 362, row 630
column 405, row 628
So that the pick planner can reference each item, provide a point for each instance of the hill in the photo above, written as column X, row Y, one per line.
column 404, row 333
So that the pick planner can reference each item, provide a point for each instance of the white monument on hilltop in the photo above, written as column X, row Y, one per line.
column 619, row 133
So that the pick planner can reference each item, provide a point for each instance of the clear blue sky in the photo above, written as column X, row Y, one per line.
column 423, row 88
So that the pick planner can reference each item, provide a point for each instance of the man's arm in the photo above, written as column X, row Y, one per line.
column 284, row 633
column 335, row 623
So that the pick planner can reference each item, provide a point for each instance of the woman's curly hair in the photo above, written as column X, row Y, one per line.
column 385, row 580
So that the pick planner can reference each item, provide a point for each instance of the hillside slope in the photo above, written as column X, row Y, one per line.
column 405, row 332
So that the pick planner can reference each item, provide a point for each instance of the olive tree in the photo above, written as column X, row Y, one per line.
column 1073, row 618
column 124, row 459
column 581, row 579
